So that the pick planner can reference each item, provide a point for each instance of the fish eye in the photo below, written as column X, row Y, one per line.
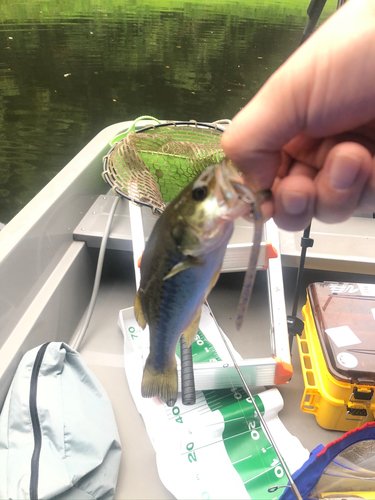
column 199, row 193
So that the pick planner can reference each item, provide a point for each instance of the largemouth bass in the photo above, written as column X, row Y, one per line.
column 181, row 264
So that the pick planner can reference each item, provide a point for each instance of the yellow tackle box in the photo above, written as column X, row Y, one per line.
column 337, row 351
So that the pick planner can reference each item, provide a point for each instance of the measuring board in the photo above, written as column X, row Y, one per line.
column 217, row 447
column 237, row 428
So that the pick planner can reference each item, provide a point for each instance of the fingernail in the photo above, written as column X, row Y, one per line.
column 343, row 171
column 294, row 203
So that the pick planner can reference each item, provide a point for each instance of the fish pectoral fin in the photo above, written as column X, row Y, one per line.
column 162, row 384
column 191, row 330
column 138, row 312
column 181, row 266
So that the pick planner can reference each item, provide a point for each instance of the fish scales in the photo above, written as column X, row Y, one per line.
column 180, row 265
column 178, row 305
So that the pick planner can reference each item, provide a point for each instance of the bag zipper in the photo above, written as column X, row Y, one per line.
column 34, row 477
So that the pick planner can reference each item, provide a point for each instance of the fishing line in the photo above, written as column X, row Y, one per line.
column 261, row 419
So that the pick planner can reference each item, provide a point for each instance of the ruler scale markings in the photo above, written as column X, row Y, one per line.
column 238, row 412
column 258, row 475
column 249, row 456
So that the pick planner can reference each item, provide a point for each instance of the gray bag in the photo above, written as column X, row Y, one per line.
column 58, row 435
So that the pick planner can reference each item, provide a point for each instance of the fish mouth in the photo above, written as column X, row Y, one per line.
column 232, row 192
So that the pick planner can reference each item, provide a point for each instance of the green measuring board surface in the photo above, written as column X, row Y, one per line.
column 247, row 446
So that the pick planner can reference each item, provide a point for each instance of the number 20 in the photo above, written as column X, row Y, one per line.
column 191, row 456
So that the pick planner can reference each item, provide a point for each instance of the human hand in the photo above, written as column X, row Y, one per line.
column 309, row 133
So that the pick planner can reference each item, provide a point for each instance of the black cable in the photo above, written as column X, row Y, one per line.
column 295, row 325
column 314, row 11
column 306, row 242
column 187, row 374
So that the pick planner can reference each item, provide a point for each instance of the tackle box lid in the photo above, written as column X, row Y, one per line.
column 344, row 317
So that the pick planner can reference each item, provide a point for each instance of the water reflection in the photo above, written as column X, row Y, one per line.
column 66, row 74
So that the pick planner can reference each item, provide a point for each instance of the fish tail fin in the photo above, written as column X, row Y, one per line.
column 162, row 384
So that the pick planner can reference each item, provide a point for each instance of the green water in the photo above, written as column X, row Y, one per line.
column 69, row 68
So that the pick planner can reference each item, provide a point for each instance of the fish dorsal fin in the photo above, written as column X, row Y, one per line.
column 182, row 265
column 138, row 312
column 192, row 329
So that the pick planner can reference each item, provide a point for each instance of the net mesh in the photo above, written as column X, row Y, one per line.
column 151, row 167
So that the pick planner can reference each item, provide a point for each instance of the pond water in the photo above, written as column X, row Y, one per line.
column 70, row 68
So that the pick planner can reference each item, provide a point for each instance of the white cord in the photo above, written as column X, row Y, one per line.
column 98, row 275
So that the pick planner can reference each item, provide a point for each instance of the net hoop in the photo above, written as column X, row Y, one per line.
column 149, row 166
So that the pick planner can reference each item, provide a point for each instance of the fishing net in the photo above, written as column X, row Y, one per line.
column 150, row 166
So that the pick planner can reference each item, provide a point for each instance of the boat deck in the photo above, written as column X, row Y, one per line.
column 103, row 345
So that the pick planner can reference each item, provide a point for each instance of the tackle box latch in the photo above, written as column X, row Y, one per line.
column 355, row 412
column 364, row 395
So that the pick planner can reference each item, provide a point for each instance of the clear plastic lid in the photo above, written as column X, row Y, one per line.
column 344, row 315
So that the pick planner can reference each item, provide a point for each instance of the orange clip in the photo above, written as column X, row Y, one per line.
column 283, row 372
column 271, row 253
